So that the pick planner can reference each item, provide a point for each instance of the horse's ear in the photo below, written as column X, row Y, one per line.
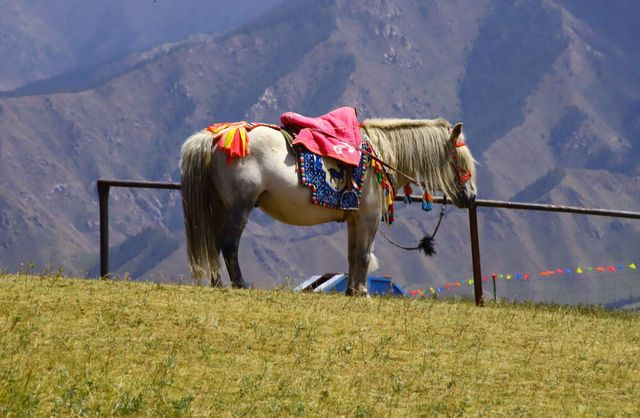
column 455, row 133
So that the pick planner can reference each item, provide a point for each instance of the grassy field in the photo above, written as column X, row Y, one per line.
column 88, row 347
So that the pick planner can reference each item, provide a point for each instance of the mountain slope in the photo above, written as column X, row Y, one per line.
column 43, row 40
column 398, row 58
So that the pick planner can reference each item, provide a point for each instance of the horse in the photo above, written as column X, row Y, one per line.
column 218, row 195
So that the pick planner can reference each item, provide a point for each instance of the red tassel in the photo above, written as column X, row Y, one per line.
column 408, row 190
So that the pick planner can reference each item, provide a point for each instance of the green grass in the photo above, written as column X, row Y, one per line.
column 88, row 347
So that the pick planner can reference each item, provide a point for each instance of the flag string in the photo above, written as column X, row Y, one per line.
column 523, row 276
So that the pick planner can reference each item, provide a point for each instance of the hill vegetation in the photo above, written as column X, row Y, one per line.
column 88, row 347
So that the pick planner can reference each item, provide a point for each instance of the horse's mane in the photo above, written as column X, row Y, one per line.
column 420, row 148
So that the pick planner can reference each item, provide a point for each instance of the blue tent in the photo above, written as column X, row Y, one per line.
column 335, row 282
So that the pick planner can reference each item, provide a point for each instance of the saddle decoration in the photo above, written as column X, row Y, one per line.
column 384, row 179
column 346, row 195
column 341, row 189
column 232, row 137
column 427, row 200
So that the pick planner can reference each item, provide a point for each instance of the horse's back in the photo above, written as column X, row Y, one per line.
column 268, row 144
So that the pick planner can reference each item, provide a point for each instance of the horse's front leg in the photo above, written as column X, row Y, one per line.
column 361, row 231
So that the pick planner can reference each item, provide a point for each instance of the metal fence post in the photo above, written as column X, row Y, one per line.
column 475, row 254
column 103, row 200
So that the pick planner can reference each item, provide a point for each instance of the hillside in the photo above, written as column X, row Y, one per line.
column 94, row 347
column 539, row 86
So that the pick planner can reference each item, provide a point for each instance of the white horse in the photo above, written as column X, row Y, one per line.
column 218, row 197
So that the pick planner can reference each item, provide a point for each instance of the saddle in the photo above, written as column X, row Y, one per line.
column 329, row 160
column 335, row 135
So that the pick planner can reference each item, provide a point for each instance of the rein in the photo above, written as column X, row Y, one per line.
column 365, row 152
column 379, row 160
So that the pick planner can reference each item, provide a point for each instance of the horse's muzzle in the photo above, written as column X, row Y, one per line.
column 465, row 197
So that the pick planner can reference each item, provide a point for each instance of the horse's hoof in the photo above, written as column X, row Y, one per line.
column 354, row 292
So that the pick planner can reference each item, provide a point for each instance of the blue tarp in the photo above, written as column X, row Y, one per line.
column 338, row 283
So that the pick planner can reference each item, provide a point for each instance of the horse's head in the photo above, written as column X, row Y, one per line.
column 462, row 169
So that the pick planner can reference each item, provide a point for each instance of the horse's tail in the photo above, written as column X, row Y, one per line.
column 200, row 200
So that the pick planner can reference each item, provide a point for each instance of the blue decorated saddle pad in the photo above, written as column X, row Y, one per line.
column 331, row 182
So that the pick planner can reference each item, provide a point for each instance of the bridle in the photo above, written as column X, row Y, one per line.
column 463, row 175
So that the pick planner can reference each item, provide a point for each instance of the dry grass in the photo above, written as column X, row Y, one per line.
column 85, row 347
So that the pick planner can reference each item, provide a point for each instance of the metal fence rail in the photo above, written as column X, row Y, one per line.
column 103, row 201
column 105, row 185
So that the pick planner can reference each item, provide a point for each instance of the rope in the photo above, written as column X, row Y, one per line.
column 426, row 238
column 393, row 242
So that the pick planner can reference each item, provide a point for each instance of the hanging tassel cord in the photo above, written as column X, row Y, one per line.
column 426, row 243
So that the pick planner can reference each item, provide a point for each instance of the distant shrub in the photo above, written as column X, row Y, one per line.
column 566, row 128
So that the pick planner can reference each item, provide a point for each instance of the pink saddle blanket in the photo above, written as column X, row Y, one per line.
column 336, row 134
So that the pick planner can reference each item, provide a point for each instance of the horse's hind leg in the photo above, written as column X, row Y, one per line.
column 216, row 279
column 219, row 212
column 235, row 221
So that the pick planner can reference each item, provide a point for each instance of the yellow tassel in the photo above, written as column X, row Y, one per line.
column 228, row 138
column 243, row 136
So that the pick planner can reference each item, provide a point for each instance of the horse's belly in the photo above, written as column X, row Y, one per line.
column 294, row 207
